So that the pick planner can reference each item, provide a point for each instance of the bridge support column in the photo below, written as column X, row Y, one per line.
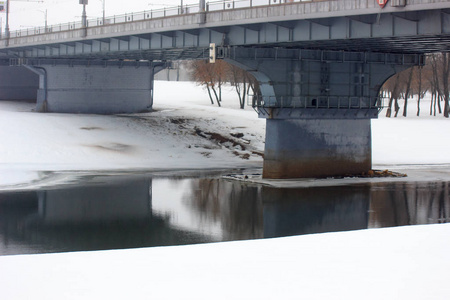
column 18, row 83
column 299, row 148
column 98, row 88
column 318, row 105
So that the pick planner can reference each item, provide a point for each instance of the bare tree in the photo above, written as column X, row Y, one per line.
column 199, row 75
column 393, row 86
column 445, row 77
column 440, row 64
column 243, row 82
column 433, row 77
column 218, row 73
column 407, row 91
column 419, row 84
column 237, row 78
column 435, row 99
column 212, row 76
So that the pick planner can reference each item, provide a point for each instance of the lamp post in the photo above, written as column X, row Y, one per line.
column 84, row 18
column 45, row 16
column 83, row 15
column 103, row 10
column 7, row 23
column 202, row 6
column 7, row 32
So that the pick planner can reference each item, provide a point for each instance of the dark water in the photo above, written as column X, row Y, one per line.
column 141, row 211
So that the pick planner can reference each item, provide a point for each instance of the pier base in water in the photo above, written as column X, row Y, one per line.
column 298, row 148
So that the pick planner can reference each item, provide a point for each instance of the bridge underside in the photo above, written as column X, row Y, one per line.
column 99, row 87
column 18, row 84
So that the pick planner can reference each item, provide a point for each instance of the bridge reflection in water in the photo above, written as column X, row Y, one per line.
column 116, row 213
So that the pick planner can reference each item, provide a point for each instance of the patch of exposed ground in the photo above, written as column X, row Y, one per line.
column 374, row 174
column 236, row 142
column 384, row 173
column 91, row 128
column 114, row 147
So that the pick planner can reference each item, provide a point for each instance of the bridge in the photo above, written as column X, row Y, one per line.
column 320, row 65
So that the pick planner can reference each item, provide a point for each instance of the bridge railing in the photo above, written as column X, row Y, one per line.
column 153, row 14
column 312, row 102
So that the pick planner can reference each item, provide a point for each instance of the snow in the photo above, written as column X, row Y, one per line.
column 163, row 139
column 412, row 140
column 396, row 263
column 392, row 263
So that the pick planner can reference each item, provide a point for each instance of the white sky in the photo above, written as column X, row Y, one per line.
column 31, row 13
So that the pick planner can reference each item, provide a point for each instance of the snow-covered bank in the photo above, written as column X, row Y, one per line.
column 410, row 141
column 395, row 263
column 179, row 134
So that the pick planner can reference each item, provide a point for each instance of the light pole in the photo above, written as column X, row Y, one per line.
column 83, row 15
column 202, row 6
column 7, row 23
column 45, row 16
column 7, row 32
column 103, row 9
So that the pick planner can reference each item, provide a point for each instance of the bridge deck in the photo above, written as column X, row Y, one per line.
column 355, row 25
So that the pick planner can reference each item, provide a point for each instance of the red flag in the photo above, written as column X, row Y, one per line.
column 382, row 3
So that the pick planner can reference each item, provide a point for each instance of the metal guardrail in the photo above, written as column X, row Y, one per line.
column 220, row 5
column 153, row 14
column 336, row 56
column 311, row 102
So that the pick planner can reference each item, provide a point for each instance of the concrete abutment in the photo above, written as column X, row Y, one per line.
column 101, row 88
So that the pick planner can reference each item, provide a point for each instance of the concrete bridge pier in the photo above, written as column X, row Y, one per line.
column 302, row 148
column 318, row 106
column 97, row 87
column 18, row 84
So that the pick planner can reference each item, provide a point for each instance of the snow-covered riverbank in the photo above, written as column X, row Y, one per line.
column 179, row 134
column 390, row 264
column 185, row 132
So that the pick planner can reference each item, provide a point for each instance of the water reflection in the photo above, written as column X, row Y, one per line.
column 111, row 215
column 235, row 206
column 398, row 204
column 144, row 212
column 315, row 210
